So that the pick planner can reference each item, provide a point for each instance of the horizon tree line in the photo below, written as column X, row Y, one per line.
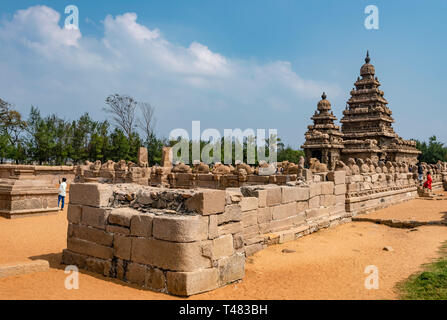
column 51, row 140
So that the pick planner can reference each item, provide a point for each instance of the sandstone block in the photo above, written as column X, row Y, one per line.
column 327, row 187
column 327, row 200
column 122, row 216
column 136, row 273
column 338, row 177
column 289, row 194
column 232, row 212
column 89, row 248
column 303, row 194
column 122, row 247
column 91, row 234
column 180, row 228
column 207, row 202
column 95, row 217
column 190, row 283
column 302, row 206
column 219, row 247
column 340, row 199
column 91, row 194
column 249, row 218
column 141, row 225
column 169, row 255
column 249, row 203
column 118, row 230
column 252, row 249
column 155, row 279
column 314, row 202
column 231, row 268
column 100, row 266
column 264, row 215
column 314, row 190
column 273, row 196
column 213, row 232
column 340, row 189
column 74, row 213
column 283, row 210
column 230, row 228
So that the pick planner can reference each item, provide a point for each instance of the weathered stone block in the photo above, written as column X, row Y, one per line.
column 141, row 225
column 327, row 187
column 338, row 177
column 340, row 189
column 169, row 255
column 136, row 273
column 207, row 202
column 340, row 199
column 95, row 217
column 327, row 200
column 219, row 247
column 118, row 230
column 180, row 228
column 155, row 279
column 89, row 248
column 230, row 228
column 283, row 210
column 273, row 196
column 122, row 247
column 213, row 222
column 314, row 202
column 231, row 268
column 302, row 206
column 264, row 215
column 232, row 212
column 98, row 266
column 72, row 258
column 249, row 203
column 314, row 190
column 122, row 216
column 189, row 283
column 303, row 194
column 92, row 234
column 74, row 213
column 249, row 218
column 91, row 194
column 289, row 194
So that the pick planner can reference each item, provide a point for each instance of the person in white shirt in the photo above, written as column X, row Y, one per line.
column 62, row 193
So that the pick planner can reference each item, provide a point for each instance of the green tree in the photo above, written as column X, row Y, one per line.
column 432, row 152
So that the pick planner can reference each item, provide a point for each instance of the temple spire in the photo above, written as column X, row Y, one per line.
column 367, row 59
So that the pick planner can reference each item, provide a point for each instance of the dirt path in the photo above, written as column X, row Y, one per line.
column 329, row 264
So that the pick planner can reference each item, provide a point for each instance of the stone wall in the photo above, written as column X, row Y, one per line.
column 31, row 190
column 187, row 241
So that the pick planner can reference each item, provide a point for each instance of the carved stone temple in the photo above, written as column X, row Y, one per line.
column 366, row 130
column 323, row 139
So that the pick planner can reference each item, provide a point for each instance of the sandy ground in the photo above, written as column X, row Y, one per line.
column 417, row 210
column 329, row 264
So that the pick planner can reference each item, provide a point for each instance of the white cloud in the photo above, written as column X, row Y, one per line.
column 62, row 71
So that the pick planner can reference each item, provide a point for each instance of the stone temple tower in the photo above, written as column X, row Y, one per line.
column 323, row 139
column 367, row 123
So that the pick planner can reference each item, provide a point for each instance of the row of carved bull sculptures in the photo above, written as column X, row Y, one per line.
column 352, row 167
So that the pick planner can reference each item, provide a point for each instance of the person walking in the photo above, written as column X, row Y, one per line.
column 420, row 174
column 62, row 193
column 429, row 181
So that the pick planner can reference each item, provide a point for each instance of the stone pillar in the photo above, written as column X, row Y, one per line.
column 166, row 158
column 142, row 157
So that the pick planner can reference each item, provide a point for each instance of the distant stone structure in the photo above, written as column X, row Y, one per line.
column 366, row 130
column 323, row 139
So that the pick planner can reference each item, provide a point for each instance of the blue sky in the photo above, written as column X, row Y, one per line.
column 230, row 64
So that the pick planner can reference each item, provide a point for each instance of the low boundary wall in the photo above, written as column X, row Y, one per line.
column 185, row 242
